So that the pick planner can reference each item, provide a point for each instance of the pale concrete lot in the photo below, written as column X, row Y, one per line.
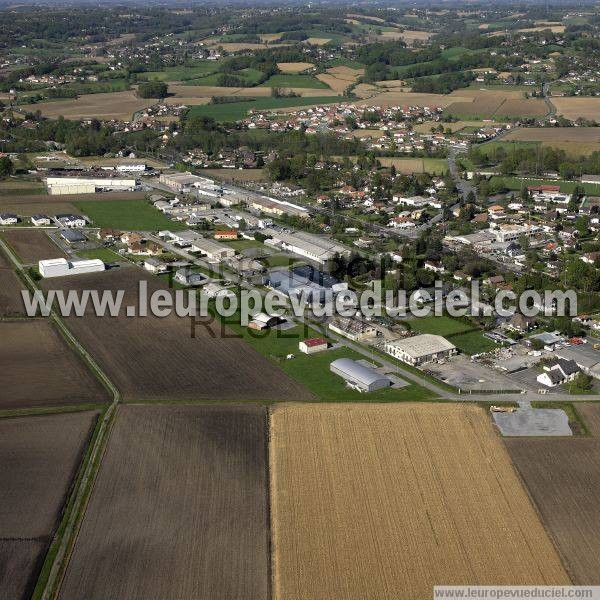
column 533, row 422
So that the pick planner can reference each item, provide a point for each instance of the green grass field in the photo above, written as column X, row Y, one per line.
column 443, row 325
column 104, row 254
column 235, row 111
column 313, row 370
column 182, row 73
column 135, row 215
column 249, row 77
column 472, row 342
column 295, row 81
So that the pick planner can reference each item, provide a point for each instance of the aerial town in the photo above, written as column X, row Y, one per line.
column 389, row 218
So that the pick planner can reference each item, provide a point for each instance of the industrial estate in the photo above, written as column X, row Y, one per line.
column 444, row 153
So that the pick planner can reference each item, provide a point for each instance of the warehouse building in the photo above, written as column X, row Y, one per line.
column 420, row 349
column 81, row 185
column 319, row 249
column 359, row 377
column 61, row 267
column 276, row 207
column 212, row 250
column 184, row 182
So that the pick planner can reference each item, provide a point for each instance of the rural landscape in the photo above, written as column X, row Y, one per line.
column 299, row 301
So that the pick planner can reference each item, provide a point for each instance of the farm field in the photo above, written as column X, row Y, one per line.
column 563, row 480
column 179, row 509
column 208, row 367
column 44, row 370
column 28, row 205
column 574, row 140
column 113, row 105
column 396, row 98
column 127, row 214
column 290, row 80
column 238, row 110
column 578, row 108
column 40, row 458
column 294, row 67
column 386, row 501
column 437, row 166
column 11, row 303
column 31, row 245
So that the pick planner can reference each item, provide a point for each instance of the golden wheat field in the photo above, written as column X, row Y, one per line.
column 294, row 67
column 111, row 105
column 386, row 501
column 575, row 108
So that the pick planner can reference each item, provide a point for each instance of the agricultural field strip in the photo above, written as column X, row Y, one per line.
column 347, row 510
column 179, row 509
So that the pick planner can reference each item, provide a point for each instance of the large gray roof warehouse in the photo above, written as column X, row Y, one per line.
column 364, row 378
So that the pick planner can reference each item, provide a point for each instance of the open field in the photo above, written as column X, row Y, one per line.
column 127, row 214
column 575, row 108
column 395, row 98
column 32, row 245
column 436, row 166
column 179, row 509
column 558, row 134
column 238, row 110
column 386, row 501
column 443, row 325
column 170, row 364
column 189, row 92
column 11, row 303
column 563, row 479
column 293, row 80
column 575, row 141
column 526, row 107
column 44, row 371
column 244, row 175
column 294, row 67
column 114, row 105
column 41, row 456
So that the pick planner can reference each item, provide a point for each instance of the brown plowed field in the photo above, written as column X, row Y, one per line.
column 179, row 509
column 41, row 369
column 32, row 245
column 156, row 359
column 563, row 479
column 386, row 501
column 39, row 459
column 11, row 303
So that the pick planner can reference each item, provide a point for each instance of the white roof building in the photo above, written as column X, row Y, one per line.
column 420, row 349
column 61, row 267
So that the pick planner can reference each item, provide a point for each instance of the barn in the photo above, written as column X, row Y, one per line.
column 358, row 376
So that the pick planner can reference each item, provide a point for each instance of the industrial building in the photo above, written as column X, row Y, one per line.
column 212, row 250
column 83, row 185
column 305, row 282
column 420, row 349
column 72, row 237
column 319, row 249
column 276, row 207
column 313, row 345
column 353, row 329
column 61, row 267
column 184, row 182
column 359, row 377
